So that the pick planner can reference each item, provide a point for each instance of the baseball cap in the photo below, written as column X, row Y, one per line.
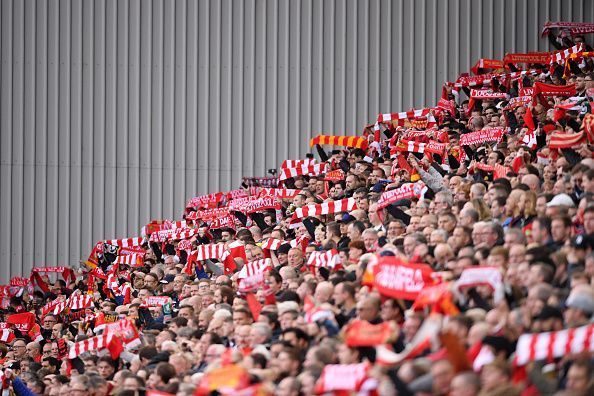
column 561, row 200
column 168, row 279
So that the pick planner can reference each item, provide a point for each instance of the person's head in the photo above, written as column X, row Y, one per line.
column 579, row 376
column 106, row 367
column 241, row 316
column 494, row 375
column 295, row 257
column 289, row 362
column 49, row 321
column 466, row 383
column 370, row 238
column 368, row 308
column 34, row 350
column 296, row 337
column 260, row 334
column 133, row 383
column 442, row 373
column 443, row 202
column 344, row 292
column 560, row 228
column 51, row 364
column 19, row 347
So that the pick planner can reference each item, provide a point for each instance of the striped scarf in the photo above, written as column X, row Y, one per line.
column 176, row 234
column 255, row 267
column 431, row 147
column 422, row 118
column 297, row 163
column 554, row 344
column 329, row 259
column 559, row 140
column 304, row 170
column 134, row 260
column 126, row 242
column 347, row 141
column 560, row 56
column 271, row 244
column 331, row 207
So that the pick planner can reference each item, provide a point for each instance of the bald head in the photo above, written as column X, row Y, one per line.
column 323, row 292
column 532, row 181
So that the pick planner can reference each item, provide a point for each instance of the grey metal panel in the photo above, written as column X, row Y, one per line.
column 115, row 112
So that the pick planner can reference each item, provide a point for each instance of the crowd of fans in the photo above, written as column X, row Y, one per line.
column 316, row 318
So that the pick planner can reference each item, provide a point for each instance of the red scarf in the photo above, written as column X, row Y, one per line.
column 540, row 90
column 482, row 136
column 486, row 64
column 362, row 333
column 67, row 275
column 542, row 58
column 397, row 279
column 575, row 28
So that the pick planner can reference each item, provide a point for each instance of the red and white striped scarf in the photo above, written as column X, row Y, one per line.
column 134, row 260
column 304, row 170
column 176, row 234
column 90, row 344
column 347, row 141
column 401, row 119
column 300, row 242
column 331, row 207
column 554, row 344
column 271, row 244
column 297, row 163
column 126, row 242
column 559, row 140
column 74, row 302
column 255, row 267
column 211, row 251
column 482, row 136
column 329, row 259
column 431, row 147
column 560, row 56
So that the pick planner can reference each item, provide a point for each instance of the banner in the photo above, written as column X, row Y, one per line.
column 397, row 279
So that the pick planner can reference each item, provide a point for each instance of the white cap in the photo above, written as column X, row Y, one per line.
column 561, row 200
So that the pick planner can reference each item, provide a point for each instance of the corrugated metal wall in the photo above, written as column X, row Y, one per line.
column 113, row 113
